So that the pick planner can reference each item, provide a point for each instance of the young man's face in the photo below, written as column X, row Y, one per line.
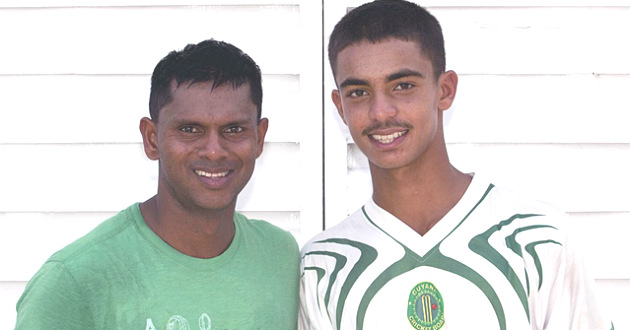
column 391, row 101
column 207, row 142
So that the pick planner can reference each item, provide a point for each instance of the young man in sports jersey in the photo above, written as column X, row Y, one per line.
column 434, row 248
column 182, row 259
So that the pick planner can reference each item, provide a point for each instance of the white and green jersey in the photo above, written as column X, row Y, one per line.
column 495, row 261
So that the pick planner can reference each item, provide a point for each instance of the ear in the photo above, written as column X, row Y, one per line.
column 263, row 125
column 448, row 88
column 336, row 98
column 148, row 129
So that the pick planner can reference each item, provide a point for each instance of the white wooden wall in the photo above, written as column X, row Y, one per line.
column 543, row 105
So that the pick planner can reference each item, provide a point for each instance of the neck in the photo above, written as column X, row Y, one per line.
column 199, row 234
column 420, row 196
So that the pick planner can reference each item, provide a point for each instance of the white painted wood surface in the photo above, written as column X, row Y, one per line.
column 543, row 106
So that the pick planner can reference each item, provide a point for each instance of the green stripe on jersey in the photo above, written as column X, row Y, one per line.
column 340, row 261
column 368, row 255
column 480, row 244
column 433, row 258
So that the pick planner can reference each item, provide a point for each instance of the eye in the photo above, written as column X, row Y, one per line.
column 356, row 93
column 189, row 129
column 403, row 86
column 234, row 129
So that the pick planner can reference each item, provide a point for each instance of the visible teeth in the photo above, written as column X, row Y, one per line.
column 387, row 138
column 211, row 175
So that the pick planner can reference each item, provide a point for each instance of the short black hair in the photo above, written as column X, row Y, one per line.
column 383, row 19
column 210, row 60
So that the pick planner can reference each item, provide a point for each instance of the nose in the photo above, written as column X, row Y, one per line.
column 212, row 146
column 382, row 107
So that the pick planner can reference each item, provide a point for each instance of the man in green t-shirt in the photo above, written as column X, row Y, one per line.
column 183, row 259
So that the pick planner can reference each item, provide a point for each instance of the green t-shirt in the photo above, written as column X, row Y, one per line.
column 123, row 276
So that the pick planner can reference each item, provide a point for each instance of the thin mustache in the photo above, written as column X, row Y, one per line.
column 388, row 124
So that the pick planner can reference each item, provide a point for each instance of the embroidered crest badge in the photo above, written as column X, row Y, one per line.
column 425, row 310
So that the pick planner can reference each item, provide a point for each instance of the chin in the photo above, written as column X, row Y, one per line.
column 216, row 204
column 387, row 163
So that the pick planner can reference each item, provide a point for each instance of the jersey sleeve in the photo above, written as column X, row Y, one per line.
column 312, row 312
column 571, row 300
column 53, row 300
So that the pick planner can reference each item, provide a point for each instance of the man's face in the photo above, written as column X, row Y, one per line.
column 390, row 101
column 207, row 142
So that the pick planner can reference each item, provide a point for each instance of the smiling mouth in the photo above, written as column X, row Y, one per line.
column 386, row 139
column 212, row 175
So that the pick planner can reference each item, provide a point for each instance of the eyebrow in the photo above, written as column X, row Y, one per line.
column 352, row 82
column 404, row 73
column 180, row 121
column 394, row 76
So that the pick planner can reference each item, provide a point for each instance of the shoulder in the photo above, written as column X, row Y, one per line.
column 107, row 233
column 499, row 197
column 260, row 227
column 263, row 232
column 518, row 217
column 51, row 295
column 504, row 200
column 354, row 227
column 57, row 288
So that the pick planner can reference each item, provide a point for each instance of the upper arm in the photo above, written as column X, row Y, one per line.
column 53, row 300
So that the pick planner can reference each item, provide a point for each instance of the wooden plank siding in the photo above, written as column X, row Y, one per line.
column 543, row 106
